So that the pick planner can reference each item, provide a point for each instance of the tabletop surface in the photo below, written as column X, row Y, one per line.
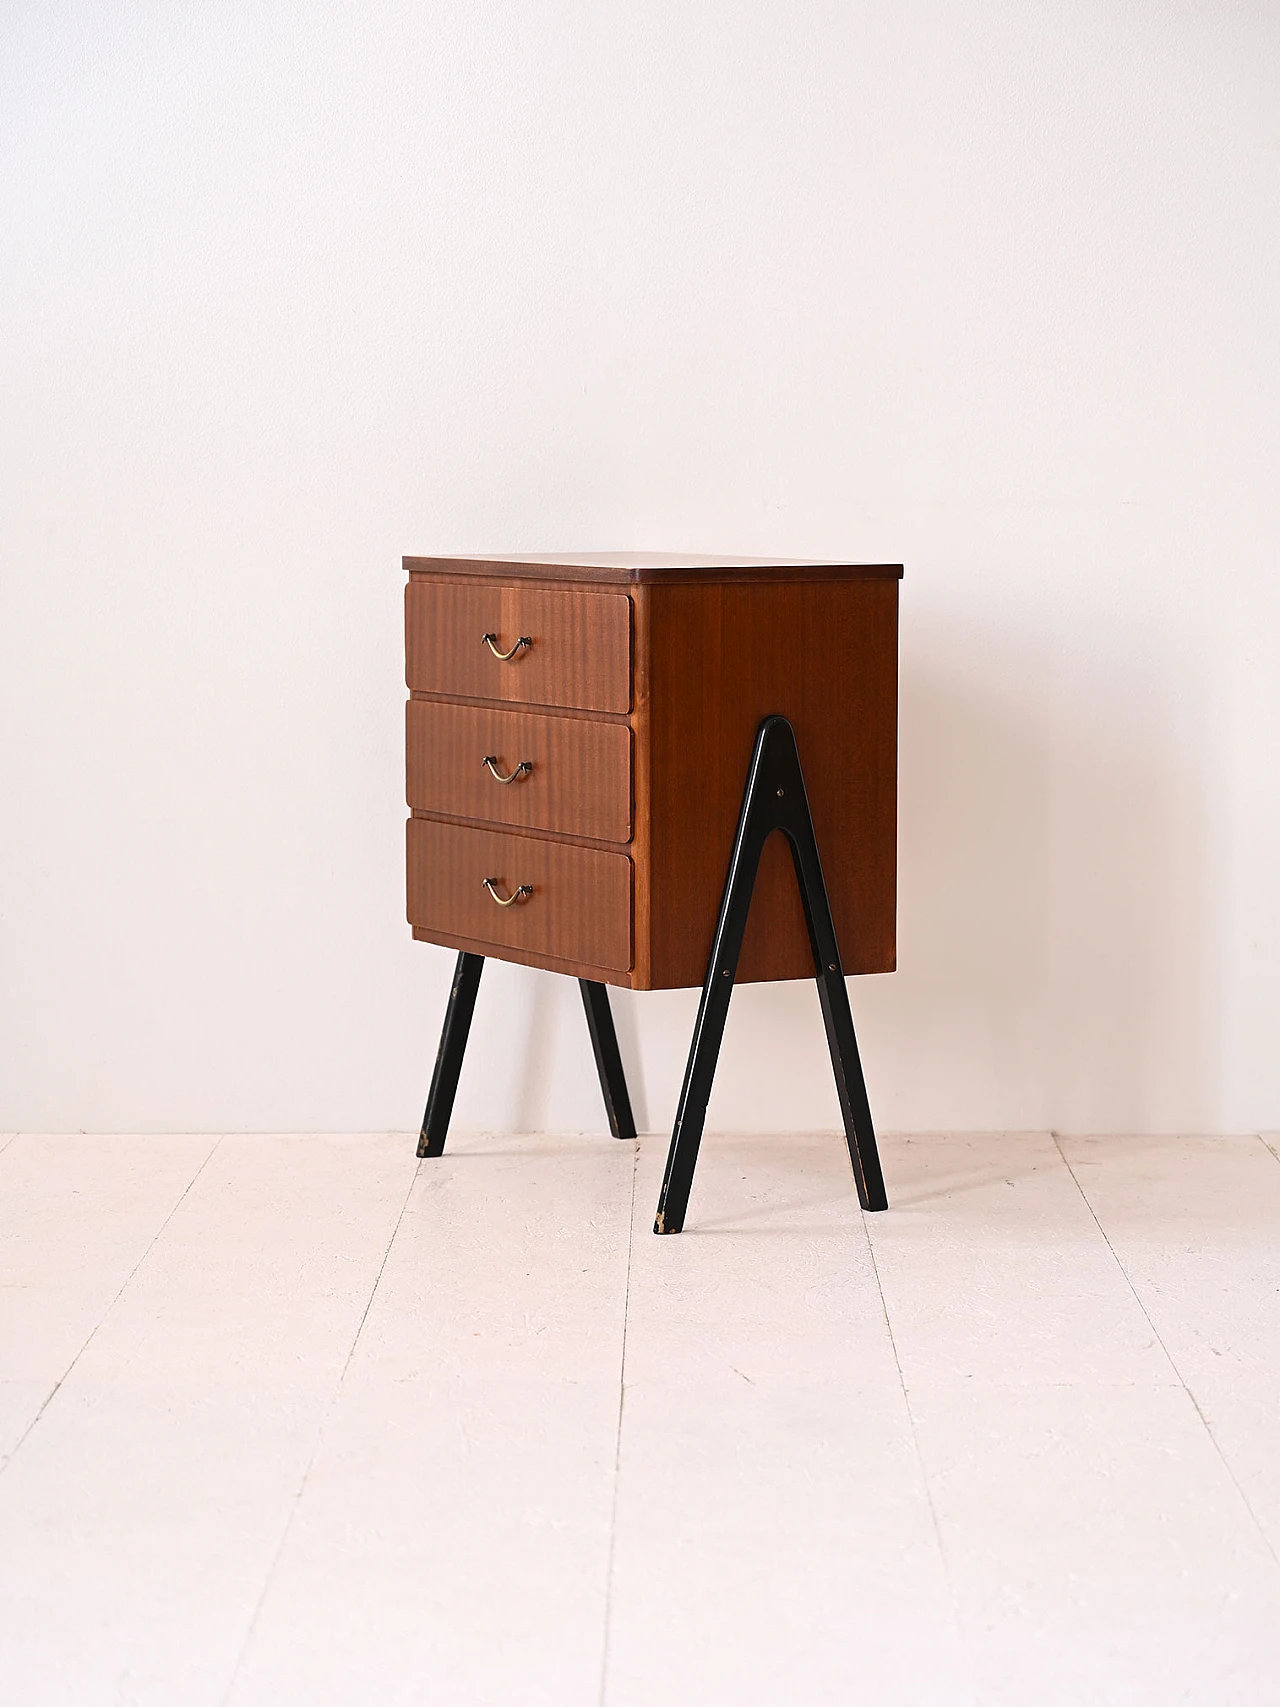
column 648, row 567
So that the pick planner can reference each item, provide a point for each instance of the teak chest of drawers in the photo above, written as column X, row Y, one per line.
column 578, row 733
column 634, row 701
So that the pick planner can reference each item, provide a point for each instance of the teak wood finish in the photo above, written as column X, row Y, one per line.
column 567, row 775
column 579, row 909
column 578, row 651
column 645, row 682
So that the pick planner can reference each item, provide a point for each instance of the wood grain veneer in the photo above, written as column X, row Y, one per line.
column 579, row 784
column 580, row 656
column 718, row 659
column 580, row 909
column 644, row 568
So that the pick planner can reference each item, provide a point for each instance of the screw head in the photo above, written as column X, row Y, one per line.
column 780, row 793
column 831, row 967
column 726, row 973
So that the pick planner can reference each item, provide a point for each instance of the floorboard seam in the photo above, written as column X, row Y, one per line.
column 1195, row 1405
column 617, row 1450
column 57, row 1386
column 269, row 1576
column 915, row 1441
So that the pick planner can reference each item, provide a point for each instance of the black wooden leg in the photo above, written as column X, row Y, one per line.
column 713, row 1010
column 604, row 1040
column 833, row 995
column 774, row 799
column 453, row 1044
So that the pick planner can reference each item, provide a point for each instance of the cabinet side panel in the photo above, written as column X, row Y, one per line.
column 721, row 658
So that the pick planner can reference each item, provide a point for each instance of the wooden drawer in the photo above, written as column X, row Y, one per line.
column 578, row 781
column 579, row 654
column 580, row 909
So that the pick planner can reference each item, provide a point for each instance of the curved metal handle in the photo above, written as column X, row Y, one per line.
column 522, row 893
column 490, row 762
column 491, row 641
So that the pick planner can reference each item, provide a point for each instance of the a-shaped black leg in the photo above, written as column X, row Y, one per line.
column 604, row 1040
column 453, row 1044
column 774, row 799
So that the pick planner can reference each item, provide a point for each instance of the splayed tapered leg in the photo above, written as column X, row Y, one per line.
column 604, row 1041
column 774, row 799
column 453, row 1046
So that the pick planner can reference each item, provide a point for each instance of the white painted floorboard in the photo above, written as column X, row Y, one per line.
column 1195, row 1222
column 774, row 1539
column 77, row 1216
column 452, row 1542
column 300, row 1419
column 140, row 1518
column 1098, row 1547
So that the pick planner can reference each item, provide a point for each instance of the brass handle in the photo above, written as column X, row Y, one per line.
column 522, row 893
column 490, row 761
column 491, row 641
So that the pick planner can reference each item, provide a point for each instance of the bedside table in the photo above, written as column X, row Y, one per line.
column 578, row 734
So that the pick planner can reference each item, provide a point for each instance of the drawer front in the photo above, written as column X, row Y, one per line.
column 578, row 656
column 580, row 908
column 578, row 779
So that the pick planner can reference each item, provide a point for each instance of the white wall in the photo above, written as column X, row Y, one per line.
column 990, row 289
